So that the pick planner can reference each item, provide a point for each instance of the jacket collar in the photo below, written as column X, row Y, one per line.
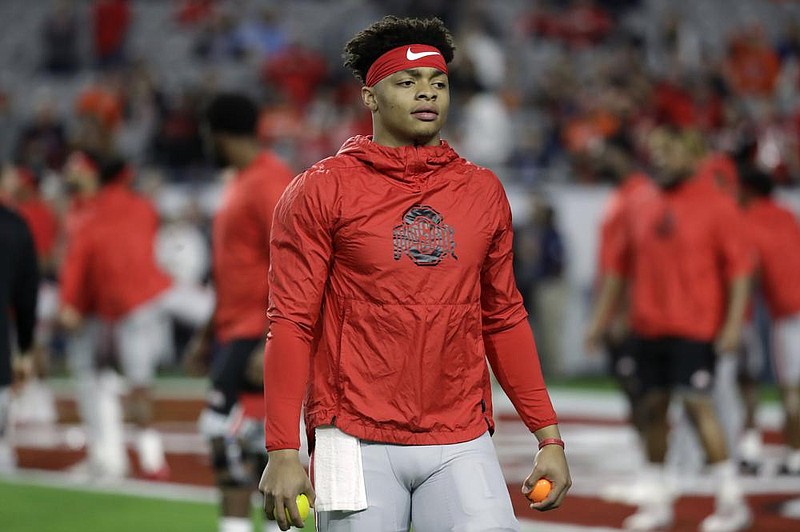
column 407, row 166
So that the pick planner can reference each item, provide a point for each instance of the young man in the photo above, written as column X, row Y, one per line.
column 392, row 283
column 241, row 260
column 19, row 285
column 19, row 190
column 607, row 326
column 775, row 232
column 737, row 376
column 689, row 276
column 111, row 284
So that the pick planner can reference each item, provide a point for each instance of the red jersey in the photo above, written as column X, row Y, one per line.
column 719, row 171
column 392, row 281
column 612, row 225
column 775, row 232
column 682, row 248
column 240, row 248
column 110, row 266
column 43, row 224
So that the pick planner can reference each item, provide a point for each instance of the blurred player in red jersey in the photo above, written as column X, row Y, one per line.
column 109, row 281
column 391, row 284
column 241, row 262
column 19, row 281
column 611, row 327
column 737, row 376
column 689, row 275
column 18, row 188
column 775, row 231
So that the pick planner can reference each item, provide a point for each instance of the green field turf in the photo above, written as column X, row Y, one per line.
column 27, row 508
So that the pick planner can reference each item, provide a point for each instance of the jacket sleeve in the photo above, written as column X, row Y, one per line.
column 515, row 362
column 301, row 248
column 507, row 336
column 501, row 302
column 26, row 288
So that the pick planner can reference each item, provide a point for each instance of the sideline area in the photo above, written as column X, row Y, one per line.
column 602, row 451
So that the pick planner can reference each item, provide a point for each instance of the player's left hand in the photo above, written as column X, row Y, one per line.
column 70, row 318
column 550, row 463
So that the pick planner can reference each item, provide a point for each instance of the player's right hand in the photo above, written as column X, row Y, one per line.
column 23, row 368
column 197, row 357
column 283, row 480
column 592, row 340
column 254, row 372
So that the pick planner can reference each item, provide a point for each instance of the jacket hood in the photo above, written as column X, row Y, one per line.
column 407, row 166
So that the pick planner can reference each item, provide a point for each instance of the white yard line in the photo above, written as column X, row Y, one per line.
column 528, row 525
column 176, row 438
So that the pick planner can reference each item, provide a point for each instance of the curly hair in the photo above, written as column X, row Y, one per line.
column 109, row 167
column 232, row 113
column 389, row 33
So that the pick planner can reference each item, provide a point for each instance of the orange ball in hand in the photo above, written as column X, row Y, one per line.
column 540, row 490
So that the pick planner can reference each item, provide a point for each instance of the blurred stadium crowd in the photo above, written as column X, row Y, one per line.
column 538, row 88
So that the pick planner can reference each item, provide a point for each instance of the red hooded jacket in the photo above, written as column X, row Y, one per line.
column 110, row 266
column 391, row 282
column 775, row 232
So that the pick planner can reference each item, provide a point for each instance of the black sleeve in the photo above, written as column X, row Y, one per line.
column 25, row 289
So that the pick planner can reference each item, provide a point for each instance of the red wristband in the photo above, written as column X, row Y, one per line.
column 551, row 441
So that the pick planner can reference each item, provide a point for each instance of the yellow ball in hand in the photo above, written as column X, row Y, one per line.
column 302, row 506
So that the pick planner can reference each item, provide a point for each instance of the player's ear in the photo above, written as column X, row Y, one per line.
column 369, row 99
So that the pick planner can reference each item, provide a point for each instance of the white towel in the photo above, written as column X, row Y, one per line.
column 338, row 471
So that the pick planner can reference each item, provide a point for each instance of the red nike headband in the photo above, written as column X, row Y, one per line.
column 403, row 58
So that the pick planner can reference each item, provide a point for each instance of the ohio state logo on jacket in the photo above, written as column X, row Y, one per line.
column 424, row 237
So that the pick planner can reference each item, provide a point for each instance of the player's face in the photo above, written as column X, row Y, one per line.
column 9, row 180
column 77, row 176
column 409, row 107
column 672, row 158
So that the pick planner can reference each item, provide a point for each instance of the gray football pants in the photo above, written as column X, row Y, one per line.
column 438, row 488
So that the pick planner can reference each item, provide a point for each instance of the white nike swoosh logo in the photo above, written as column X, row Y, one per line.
column 411, row 56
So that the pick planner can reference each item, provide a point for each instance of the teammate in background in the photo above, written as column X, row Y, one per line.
column 610, row 327
column 737, row 376
column 240, row 263
column 689, row 280
column 391, row 283
column 19, row 190
column 110, row 284
column 19, row 285
column 609, row 324
column 775, row 232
